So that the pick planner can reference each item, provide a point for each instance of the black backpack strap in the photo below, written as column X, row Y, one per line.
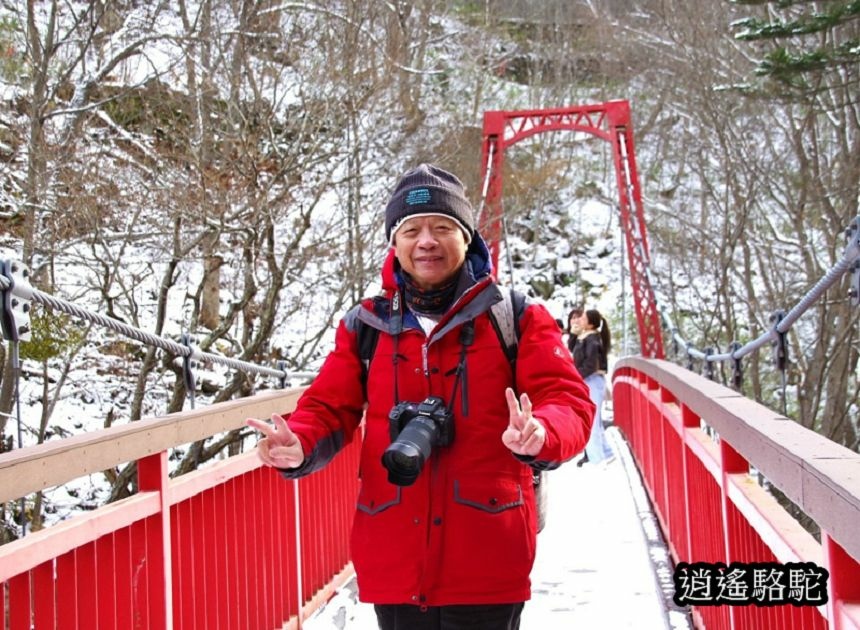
column 367, row 337
column 505, row 317
column 366, row 333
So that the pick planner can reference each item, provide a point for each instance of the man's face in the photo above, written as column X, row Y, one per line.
column 430, row 249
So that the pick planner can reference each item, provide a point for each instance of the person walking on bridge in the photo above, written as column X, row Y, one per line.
column 589, row 353
column 444, row 532
column 574, row 327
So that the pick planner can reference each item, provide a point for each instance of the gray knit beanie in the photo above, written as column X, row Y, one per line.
column 429, row 190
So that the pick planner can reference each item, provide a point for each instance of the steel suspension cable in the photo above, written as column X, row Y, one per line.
column 848, row 260
column 485, row 188
column 29, row 293
column 852, row 253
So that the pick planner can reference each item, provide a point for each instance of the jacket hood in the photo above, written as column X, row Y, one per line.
column 477, row 260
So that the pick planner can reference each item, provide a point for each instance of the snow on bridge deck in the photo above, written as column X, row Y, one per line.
column 601, row 560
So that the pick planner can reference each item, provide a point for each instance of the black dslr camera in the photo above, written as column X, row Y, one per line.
column 415, row 429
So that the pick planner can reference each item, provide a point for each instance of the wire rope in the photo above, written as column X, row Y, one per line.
column 186, row 351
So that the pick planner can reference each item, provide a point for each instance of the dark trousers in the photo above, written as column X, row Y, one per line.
column 467, row 617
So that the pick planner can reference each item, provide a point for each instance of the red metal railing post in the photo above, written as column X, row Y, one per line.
column 90, row 606
column 297, row 515
column 106, row 581
column 45, row 614
column 731, row 462
column 153, row 477
column 20, row 596
column 688, row 420
column 843, row 586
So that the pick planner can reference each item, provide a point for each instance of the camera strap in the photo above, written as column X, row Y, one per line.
column 395, row 327
column 467, row 338
column 504, row 316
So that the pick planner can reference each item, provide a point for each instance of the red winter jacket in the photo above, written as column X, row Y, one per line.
column 464, row 532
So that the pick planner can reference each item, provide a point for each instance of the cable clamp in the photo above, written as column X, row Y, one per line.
column 282, row 380
column 15, row 308
column 709, row 365
column 737, row 368
column 780, row 348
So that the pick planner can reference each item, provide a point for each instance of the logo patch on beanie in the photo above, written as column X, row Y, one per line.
column 417, row 196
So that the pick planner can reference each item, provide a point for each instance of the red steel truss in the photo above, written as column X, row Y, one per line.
column 611, row 122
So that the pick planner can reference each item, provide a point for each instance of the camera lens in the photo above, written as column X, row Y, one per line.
column 403, row 463
column 405, row 457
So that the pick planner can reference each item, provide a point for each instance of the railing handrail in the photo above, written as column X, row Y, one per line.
column 231, row 544
column 55, row 462
column 820, row 476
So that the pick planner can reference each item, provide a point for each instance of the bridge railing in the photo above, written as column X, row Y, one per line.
column 695, row 442
column 233, row 545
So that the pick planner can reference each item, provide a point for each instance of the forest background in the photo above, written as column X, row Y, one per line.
column 218, row 168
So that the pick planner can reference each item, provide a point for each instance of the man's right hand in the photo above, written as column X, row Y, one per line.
column 280, row 447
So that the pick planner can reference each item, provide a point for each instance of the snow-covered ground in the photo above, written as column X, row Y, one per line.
column 601, row 562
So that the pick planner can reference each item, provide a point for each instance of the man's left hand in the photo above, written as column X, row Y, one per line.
column 525, row 434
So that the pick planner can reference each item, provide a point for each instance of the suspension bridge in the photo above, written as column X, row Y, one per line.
column 233, row 545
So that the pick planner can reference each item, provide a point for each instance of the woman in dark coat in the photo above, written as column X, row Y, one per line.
column 589, row 355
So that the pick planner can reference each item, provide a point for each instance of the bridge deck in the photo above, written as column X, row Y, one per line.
column 601, row 560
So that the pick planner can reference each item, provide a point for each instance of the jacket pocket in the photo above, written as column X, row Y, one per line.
column 493, row 499
column 378, row 498
column 489, row 539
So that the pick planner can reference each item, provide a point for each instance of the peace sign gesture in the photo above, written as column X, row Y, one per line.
column 525, row 434
column 280, row 448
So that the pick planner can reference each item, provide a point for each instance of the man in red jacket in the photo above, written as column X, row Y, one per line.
column 444, row 532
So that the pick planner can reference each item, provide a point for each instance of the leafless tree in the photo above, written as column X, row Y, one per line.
column 756, row 193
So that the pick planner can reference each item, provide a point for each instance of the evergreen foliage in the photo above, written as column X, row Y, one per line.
column 53, row 335
column 809, row 41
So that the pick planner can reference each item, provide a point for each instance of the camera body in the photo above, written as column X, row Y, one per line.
column 415, row 429
column 432, row 408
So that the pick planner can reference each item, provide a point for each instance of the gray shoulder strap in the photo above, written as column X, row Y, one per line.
column 506, row 321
